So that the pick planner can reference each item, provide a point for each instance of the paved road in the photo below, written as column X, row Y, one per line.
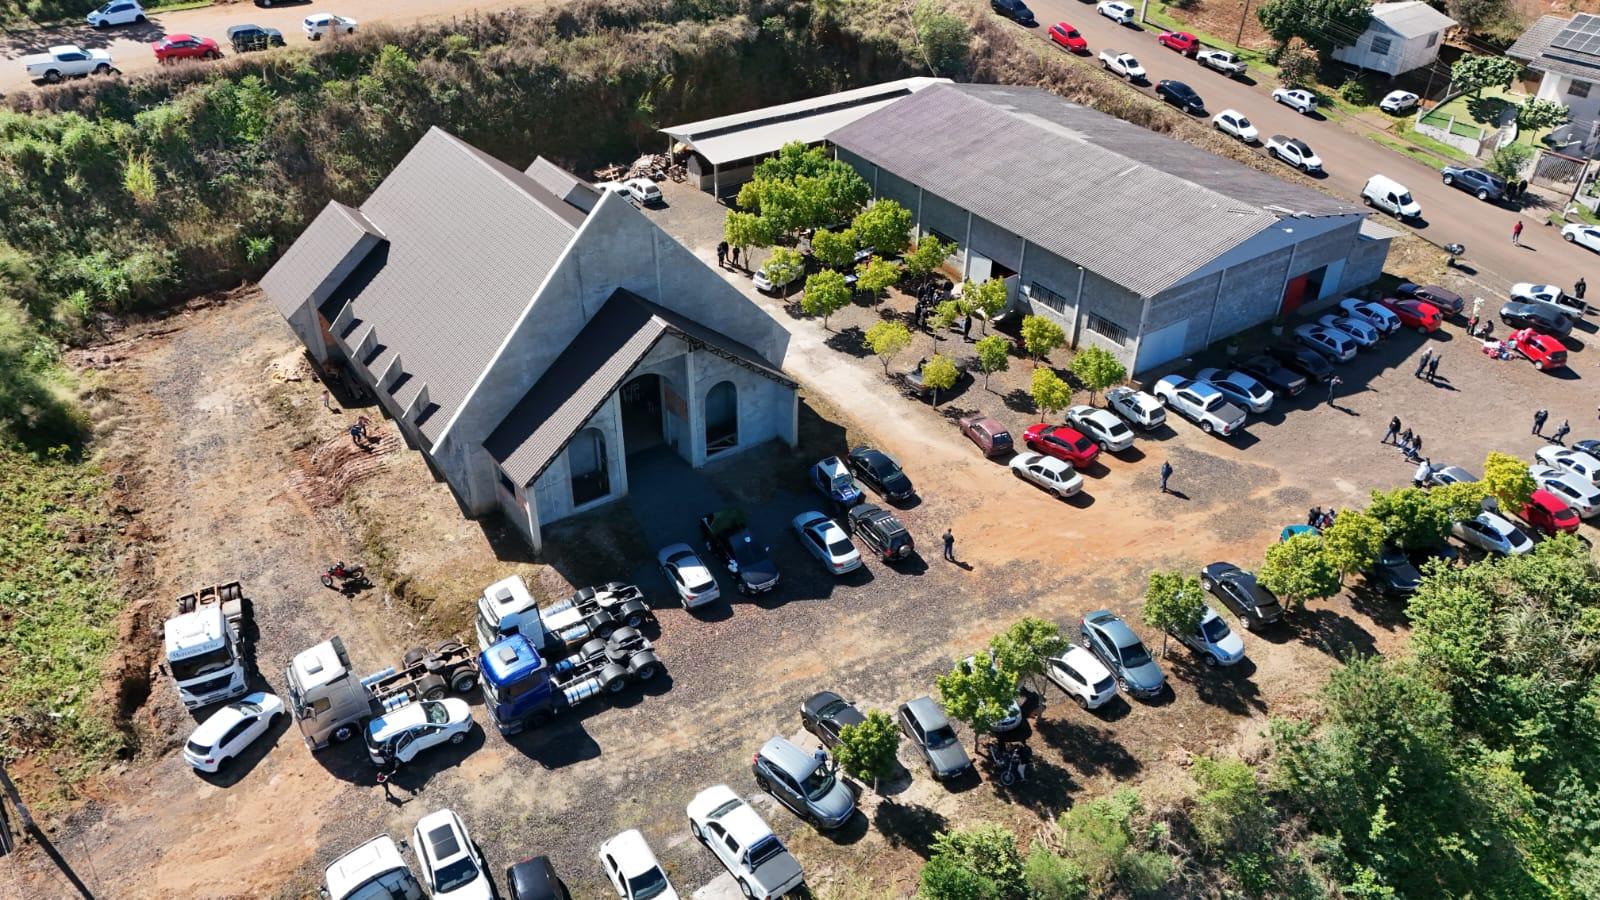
column 1349, row 157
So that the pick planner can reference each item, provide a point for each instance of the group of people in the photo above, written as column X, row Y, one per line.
column 1427, row 366
column 929, row 296
column 1410, row 444
column 1561, row 432
column 1317, row 517
column 725, row 254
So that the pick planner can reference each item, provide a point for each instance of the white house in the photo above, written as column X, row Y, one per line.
column 1400, row 37
column 1567, row 53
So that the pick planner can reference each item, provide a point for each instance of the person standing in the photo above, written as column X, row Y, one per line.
column 1433, row 367
column 1333, row 386
column 1416, row 446
column 1538, row 421
column 1405, row 442
column 949, row 545
column 327, row 400
column 1560, row 436
column 1579, row 288
column 966, row 327
column 1314, row 516
column 722, row 254
column 1394, row 429
column 1516, row 234
column 733, row 253
column 1424, row 472
column 1423, row 362
column 1166, row 473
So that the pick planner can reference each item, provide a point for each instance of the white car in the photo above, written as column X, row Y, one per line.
column 1302, row 101
column 1551, row 296
column 1586, row 236
column 1239, row 388
column 1201, row 404
column 1398, row 102
column 1121, row 13
column 827, row 542
column 1574, row 490
column 1124, row 64
column 1082, row 677
column 449, row 859
column 690, row 578
column 1359, row 330
column 1329, row 342
column 229, row 730
column 117, row 12
column 737, row 836
column 327, row 23
column 66, row 61
column 1214, row 640
column 767, row 286
column 1575, row 461
column 1294, row 152
column 400, row 734
column 643, row 190
column 1222, row 61
column 1492, row 534
column 1447, row 475
column 1371, row 313
column 633, row 869
column 1231, row 121
column 1054, row 475
column 1111, row 433
column 1137, row 408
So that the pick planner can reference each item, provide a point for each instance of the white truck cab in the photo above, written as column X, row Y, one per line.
column 373, row 871
column 204, row 652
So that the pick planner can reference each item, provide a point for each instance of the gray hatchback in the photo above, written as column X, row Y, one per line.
column 807, row 783
column 1110, row 638
column 924, row 722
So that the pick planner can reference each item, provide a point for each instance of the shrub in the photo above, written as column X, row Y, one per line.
column 1356, row 92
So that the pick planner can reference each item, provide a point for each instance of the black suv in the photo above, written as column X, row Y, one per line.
column 1304, row 360
column 880, row 530
column 1237, row 589
column 876, row 470
column 1015, row 10
column 1539, row 318
column 1180, row 95
column 245, row 38
column 728, row 536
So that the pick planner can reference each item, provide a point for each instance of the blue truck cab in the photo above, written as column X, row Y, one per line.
column 523, row 688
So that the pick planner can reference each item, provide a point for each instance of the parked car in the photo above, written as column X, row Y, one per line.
column 1123, row 64
column 227, row 732
column 879, row 471
column 880, row 530
column 1054, row 475
column 1221, row 61
column 1446, row 475
column 1540, row 318
column 1590, row 447
column 1242, row 390
column 832, row 479
column 66, row 61
column 451, row 865
column 1579, row 462
column 1201, row 404
column 1081, row 676
column 1294, row 152
column 688, row 577
column 1330, row 342
column 766, row 285
column 1398, row 102
column 1545, row 352
column 930, row 732
column 1013, row 713
column 1099, row 425
column 268, row 4
column 1304, row 360
column 749, row 561
column 1371, row 313
column 991, row 437
column 1570, row 488
column 1383, row 192
column 823, row 538
column 117, row 12
column 1233, row 122
column 1110, row 638
column 535, row 879
column 643, row 191
column 1359, row 331
column 1015, row 10
column 247, row 38
column 1216, row 643
column 807, row 783
column 1547, row 514
column 825, row 714
column 399, row 735
column 1585, row 236
column 1180, row 95
column 1549, row 295
column 1120, row 13
column 1137, row 408
column 744, row 843
column 320, row 24
column 1062, row 442
column 1181, row 41
column 1492, row 534
column 1064, row 35
column 633, row 870
column 1424, row 317
column 174, row 47
column 1393, row 573
column 1297, row 99
column 1443, row 299
column 1239, row 591
column 1274, row 375
column 1480, row 183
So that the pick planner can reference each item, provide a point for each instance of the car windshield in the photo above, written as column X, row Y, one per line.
column 1243, row 122
column 818, row 783
column 455, row 875
column 204, row 664
column 647, row 884
column 1134, row 655
column 833, row 709
column 1214, row 629
column 436, row 711
column 746, row 553
column 941, row 737
column 842, row 482
column 1072, row 33
column 1215, row 401
column 1405, row 199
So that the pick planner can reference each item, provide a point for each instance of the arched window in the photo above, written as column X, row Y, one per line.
column 722, row 417
column 587, row 467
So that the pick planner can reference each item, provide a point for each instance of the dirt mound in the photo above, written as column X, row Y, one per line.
column 326, row 471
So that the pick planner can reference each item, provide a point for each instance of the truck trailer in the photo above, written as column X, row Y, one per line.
column 507, row 608
column 205, row 648
column 523, row 689
column 330, row 702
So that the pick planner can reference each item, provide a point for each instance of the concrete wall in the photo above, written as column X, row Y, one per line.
column 1403, row 56
column 1558, row 89
column 1364, row 265
column 552, row 491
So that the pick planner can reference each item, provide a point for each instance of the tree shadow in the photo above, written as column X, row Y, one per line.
column 1227, row 687
column 909, row 825
column 1385, row 611
column 1018, row 400
column 1087, row 747
column 851, row 341
column 1047, row 791
column 1333, row 633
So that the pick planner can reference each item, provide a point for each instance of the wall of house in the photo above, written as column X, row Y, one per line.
column 1404, row 54
column 1559, row 89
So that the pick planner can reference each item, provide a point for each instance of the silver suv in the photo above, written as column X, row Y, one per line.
column 807, row 783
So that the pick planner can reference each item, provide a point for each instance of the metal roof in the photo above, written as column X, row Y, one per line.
column 1578, row 59
column 1411, row 18
column 558, row 181
column 1139, row 208
column 759, row 132
column 593, row 365
column 304, row 270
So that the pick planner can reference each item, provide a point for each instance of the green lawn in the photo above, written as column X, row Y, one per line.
column 1158, row 16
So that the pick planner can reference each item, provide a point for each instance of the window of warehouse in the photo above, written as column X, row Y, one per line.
column 1107, row 329
column 1048, row 297
column 1578, row 89
column 1380, row 46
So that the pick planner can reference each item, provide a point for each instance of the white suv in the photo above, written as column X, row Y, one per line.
column 1082, row 677
column 327, row 23
column 117, row 12
column 736, row 834
column 450, row 862
column 633, row 870
column 1301, row 101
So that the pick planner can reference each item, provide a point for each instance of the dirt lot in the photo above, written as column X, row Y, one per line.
column 238, row 473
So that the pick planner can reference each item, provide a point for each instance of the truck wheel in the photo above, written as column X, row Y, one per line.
column 52, row 77
column 634, row 613
column 342, row 733
column 606, row 629
column 613, row 678
column 102, row 69
column 644, row 666
column 414, row 656
column 584, row 594
column 1206, row 427
column 592, row 648
column 464, row 680
column 745, row 887
column 432, row 687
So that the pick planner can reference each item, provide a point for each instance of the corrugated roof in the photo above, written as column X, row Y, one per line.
column 1412, row 18
column 569, row 187
column 592, row 366
column 302, row 270
column 1139, row 208
column 1534, row 47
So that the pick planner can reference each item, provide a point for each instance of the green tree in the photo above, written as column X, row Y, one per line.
column 1474, row 15
column 792, row 160
column 1050, row 394
column 1322, row 24
column 1104, row 839
column 988, row 298
column 1040, row 336
column 1473, row 72
column 940, row 374
column 1537, row 115
column 1506, row 479
column 784, row 267
column 978, row 694
column 1231, row 813
column 746, row 230
column 877, row 275
column 1173, row 603
column 1298, row 570
column 1509, row 161
column 1409, row 517
column 1022, row 649
column 1458, row 501
column 1096, row 369
column 994, row 355
column 834, row 249
column 867, row 751
column 885, row 226
column 944, row 37
column 1051, row 876
column 1353, row 542
column 927, row 256
column 1297, row 64
column 826, row 293
column 945, row 315
column 886, row 340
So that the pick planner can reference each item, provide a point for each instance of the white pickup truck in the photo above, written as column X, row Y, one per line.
column 66, row 61
column 1120, row 63
column 1221, row 60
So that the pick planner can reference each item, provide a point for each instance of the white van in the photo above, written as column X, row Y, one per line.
column 1383, row 192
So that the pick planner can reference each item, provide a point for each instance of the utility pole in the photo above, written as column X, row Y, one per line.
column 1243, row 17
column 32, row 828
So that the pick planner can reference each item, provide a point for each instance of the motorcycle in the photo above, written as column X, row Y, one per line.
column 350, row 578
column 1454, row 251
column 1009, row 763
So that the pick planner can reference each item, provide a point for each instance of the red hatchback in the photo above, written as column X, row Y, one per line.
column 1548, row 515
column 1181, row 41
column 1545, row 352
column 1062, row 443
column 185, row 46
column 1424, row 317
column 1065, row 35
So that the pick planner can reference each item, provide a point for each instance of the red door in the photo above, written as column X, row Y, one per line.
column 1293, row 294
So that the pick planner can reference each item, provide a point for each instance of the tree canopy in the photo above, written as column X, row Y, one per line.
column 940, row 374
column 867, row 751
column 1506, row 479
column 1174, row 603
column 783, row 267
column 1298, row 570
column 1041, row 335
column 877, row 275
column 994, row 355
column 834, row 249
column 885, row 226
column 1323, row 24
column 1022, row 649
column 1472, row 73
column 887, row 339
column 1050, row 394
column 977, row 693
column 1096, row 369
column 826, row 293
column 1352, row 543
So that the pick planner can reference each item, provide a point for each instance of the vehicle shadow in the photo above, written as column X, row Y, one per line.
column 412, row 777
column 235, row 770
column 1047, row 791
column 557, row 745
column 909, row 825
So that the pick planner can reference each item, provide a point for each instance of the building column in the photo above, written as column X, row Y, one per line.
column 695, row 404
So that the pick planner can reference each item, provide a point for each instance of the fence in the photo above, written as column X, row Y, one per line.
column 1446, row 129
column 1556, row 170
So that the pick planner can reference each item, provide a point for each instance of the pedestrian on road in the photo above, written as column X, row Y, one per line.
column 1166, row 473
column 1394, row 429
column 1579, row 288
column 1472, row 327
column 1405, row 442
column 949, row 545
column 1516, row 234
column 327, row 400
column 1538, row 421
column 1433, row 367
column 1333, row 385
column 1561, row 432
column 1423, row 362
column 1416, row 446
column 1424, row 472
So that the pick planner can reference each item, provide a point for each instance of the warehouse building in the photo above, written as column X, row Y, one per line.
column 1144, row 245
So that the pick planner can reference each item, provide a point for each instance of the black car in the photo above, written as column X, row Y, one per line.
column 825, row 714
column 1443, row 299
column 1273, row 374
column 880, row 530
column 1304, row 360
column 1015, row 10
column 1421, row 556
column 271, row 3
column 1238, row 590
column 535, row 879
column 877, row 471
column 1180, row 95
column 1393, row 573
column 728, row 536
column 1590, row 447
column 245, row 38
column 1536, row 316
column 1477, row 182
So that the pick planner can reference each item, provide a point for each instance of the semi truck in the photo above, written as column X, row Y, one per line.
column 523, row 688
column 205, row 646
column 373, row 871
column 330, row 702
column 507, row 608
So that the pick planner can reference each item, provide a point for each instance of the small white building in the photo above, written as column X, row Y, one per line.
column 1400, row 37
column 1567, row 53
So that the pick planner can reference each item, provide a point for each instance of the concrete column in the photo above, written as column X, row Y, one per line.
column 696, row 404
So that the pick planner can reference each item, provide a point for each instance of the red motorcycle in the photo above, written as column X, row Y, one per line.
column 349, row 578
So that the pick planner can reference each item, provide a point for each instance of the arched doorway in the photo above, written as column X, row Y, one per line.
column 588, row 467
column 722, row 417
column 641, row 414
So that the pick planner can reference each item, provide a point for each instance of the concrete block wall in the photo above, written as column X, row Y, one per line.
column 553, row 490
column 1365, row 264
column 766, row 408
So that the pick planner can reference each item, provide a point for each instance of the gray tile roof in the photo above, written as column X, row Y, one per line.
column 593, row 365
column 1534, row 49
column 1136, row 207
column 1412, row 18
column 303, row 271
column 569, row 187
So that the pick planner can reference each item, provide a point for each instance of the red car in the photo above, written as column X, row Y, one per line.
column 1066, row 36
column 1062, row 443
column 1544, row 351
column 1181, row 41
column 1548, row 515
column 185, row 46
column 1424, row 317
